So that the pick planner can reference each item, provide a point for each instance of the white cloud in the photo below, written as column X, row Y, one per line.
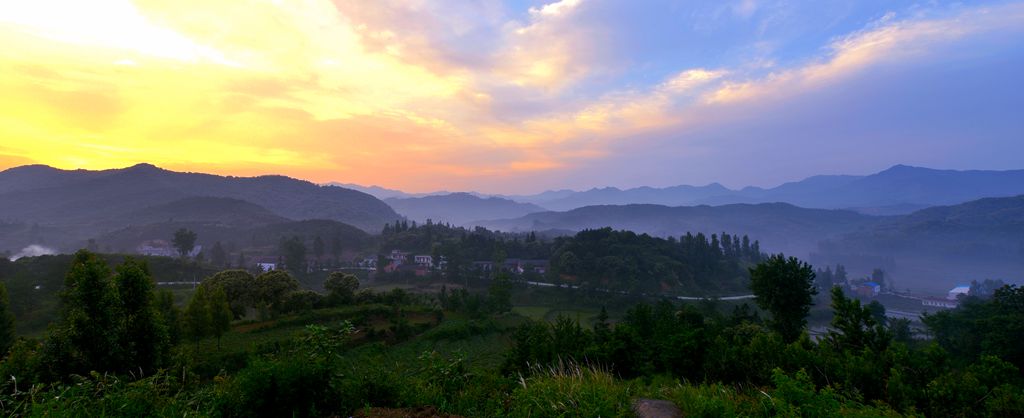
column 557, row 8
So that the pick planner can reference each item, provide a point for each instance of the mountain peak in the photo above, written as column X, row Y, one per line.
column 143, row 168
column 903, row 168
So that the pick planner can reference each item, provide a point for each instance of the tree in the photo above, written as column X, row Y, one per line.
column 855, row 327
column 218, row 256
column 785, row 288
column 170, row 315
column 273, row 286
column 499, row 294
column 197, row 315
column 294, row 254
column 144, row 341
column 89, row 326
column 238, row 285
column 336, row 246
column 220, row 313
column 341, row 287
column 184, row 241
column 602, row 328
column 878, row 276
column 318, row 248
column 839, row 277
column 6, row 322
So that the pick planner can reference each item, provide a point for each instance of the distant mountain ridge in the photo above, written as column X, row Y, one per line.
column 386, row 193
column 927, row 249
column 71, row 205
column 460, row 208
column 980, row 239
column 779, row 226
column 899, row 190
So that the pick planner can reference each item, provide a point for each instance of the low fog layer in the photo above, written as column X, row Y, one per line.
column 33, row 250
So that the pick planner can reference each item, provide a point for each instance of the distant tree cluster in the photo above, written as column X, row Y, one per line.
column 184, row 241
column 825, row 279
column 265, row 294
column 109, row 321
column 631, row 262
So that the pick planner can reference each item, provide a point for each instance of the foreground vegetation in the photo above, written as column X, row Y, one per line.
column 260, row 346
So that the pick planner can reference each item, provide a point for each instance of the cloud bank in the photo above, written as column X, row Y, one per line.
column 510, row 97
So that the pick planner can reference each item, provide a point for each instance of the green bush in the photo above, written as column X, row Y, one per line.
column 292, row 386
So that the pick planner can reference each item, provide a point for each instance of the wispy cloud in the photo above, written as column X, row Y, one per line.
column 414, row 94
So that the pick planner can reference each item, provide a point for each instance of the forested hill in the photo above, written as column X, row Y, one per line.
column 599, row 259
column 80, row 204
column 460, row 208
column 629, row 262
column 780, row 227
column 975, row 240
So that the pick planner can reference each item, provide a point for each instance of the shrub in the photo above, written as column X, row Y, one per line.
column 292, row 386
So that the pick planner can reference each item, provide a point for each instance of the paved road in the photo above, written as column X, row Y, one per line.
column 566, row 286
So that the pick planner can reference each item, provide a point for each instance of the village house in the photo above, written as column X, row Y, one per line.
column 266, row 263
column 868, row 289
column 398, row 256
column 162, row 248
column 939, row 303
column 423, row 260
column 156, row 247
column 958, row 291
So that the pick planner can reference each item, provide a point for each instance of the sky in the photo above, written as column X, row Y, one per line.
column 514, row 96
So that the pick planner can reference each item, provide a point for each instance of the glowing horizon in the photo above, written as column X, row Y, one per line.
column 508, row 96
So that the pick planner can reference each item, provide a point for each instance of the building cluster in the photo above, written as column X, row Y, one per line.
column 419, row 265
column 163, row 248
column 952, row 297
column 868, row 289
column 514, row 266
column 871, row 289
column 422, row 265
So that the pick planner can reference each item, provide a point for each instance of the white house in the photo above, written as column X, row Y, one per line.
column 939, row 303
column 424, row 260
column 956, row 292
column 266, row 264
column 156, row 247
column 398, row 256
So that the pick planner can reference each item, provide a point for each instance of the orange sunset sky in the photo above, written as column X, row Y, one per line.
column 501, row 96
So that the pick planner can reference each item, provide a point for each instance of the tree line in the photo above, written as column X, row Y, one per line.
column 971, row 368
column 633, row 263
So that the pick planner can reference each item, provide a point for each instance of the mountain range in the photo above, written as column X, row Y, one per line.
column 925, row 226
column 459, row 208
column 898, row 190
column 928, row 249
column 40, row 204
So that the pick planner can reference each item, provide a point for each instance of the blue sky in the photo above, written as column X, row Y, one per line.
column 517, row 96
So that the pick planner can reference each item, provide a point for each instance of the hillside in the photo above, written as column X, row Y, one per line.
column 204, row 210
column 252, row 239
column 669, row 196
column 899, row 186
column 779, row 226
column 459, row 208
column 898, row 190
column 61, row 208
column 939, row 246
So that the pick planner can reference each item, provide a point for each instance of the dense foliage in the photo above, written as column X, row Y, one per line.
column 858, row 365
column 461, row 352
column 630, row 262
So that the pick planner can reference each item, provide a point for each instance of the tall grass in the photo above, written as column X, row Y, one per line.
column 570, row 389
